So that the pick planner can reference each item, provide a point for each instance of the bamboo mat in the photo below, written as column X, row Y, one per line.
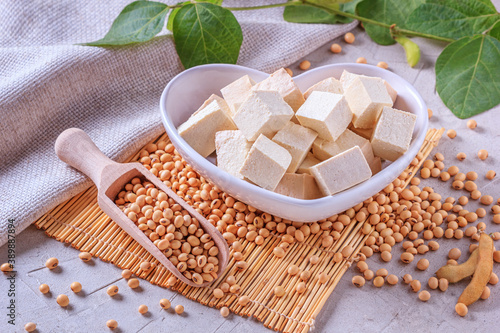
column 81, row 223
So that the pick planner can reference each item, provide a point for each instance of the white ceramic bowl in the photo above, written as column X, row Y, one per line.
column 188, row 90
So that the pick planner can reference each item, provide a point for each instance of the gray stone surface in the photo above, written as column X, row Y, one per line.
column 389, row 309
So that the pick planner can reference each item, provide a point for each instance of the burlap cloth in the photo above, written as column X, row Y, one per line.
column 48, row 84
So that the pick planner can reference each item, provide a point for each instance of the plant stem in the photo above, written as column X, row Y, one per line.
column 274, row 5
column 381, row 24
column 396, row 30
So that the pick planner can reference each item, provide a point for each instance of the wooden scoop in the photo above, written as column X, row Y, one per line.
column 75, row 147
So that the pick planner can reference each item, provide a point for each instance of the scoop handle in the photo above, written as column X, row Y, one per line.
column 77, row 149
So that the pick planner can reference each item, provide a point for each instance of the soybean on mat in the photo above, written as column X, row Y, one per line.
column 80, row 222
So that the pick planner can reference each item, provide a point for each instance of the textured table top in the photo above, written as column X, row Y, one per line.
column 349, row 309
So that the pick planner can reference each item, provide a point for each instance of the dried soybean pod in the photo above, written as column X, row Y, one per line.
column 455, row 273
column 412, row 50
column 482, row 274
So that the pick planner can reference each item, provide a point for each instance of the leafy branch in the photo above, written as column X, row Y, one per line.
column 467, row 71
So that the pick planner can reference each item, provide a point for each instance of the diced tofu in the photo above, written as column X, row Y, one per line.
column 309, row 161
column 323, row 149
column 347, row 78
column 392, row 135
column 326, row 113
column 282, row 82
column 300, row 186
column 266, row 163
column 331, row 85
column 236, row 92
column 393, row 93
column 366, row 97
column 297, row 140
column 199, row 130
column 364, row 132
column 232, row 149
column 220, row 101
column 341, row 171
column 375, row 165
column 263, row 112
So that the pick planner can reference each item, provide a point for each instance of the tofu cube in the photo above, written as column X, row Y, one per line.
column 366, row 97
column 266, row 163
column 326, row 113
column 232, row 149
column 236, row 92
column 263, row 112
column 220, row 101
column 390, row 90
column 363, row 132
column 347, row 78
column 392, row 135
column 283, row 83
column 309, row 161
column 300, row 186
column 297, row 140
column 323, row 149
column 375, row 165
column 341, row 171
column 331, row 85
column 199, row 130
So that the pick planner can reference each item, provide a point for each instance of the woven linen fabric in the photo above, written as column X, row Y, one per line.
column 48, row 84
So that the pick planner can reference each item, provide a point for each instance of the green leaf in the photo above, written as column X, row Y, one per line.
column 495, row 31
column 171, row 16
column 350, row 7
column 206, row 33
column 467, row 77
column 386, row 11
column 170, row 21
column 308, row 14
column 138, row 22
column 453, row 18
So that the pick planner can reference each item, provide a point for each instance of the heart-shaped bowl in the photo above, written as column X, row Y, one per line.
column 188, row 90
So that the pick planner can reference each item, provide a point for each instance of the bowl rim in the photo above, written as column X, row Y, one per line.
column 210, row 168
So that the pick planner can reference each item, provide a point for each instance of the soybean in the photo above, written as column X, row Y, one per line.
column 423, row 264
column 76, row 287
column 461, row 309
column 112, row 290
column 279, row 291
column 424, row 296
column 224, row 311
column 6, row 267
column 349, row 38
column 52, row 263
column 415, row 285
column 392, row 279
column 165, row 303
column 133, row 283
column 62, row 300
column 44, row 288
column 335, row 48
column 85, row 256
column 112, row 324
column 377, row 282
column 143, row 309
column 30, row 327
